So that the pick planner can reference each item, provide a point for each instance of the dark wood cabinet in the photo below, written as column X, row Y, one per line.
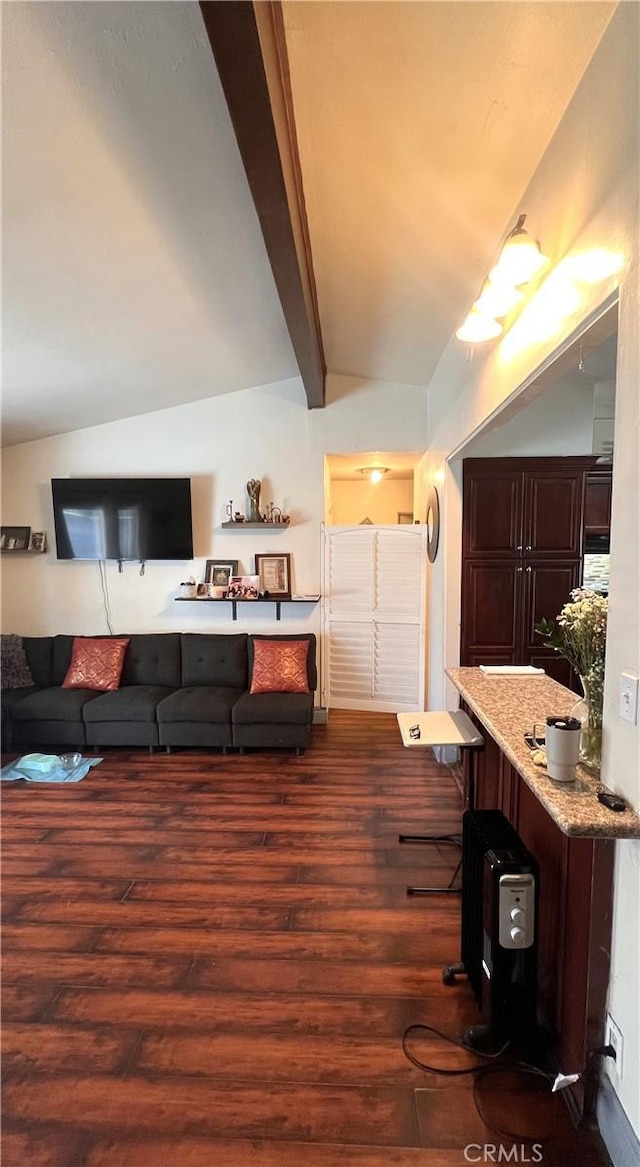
column 597, row 503
column 523, row 526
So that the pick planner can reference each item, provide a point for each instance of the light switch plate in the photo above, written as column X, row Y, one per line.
column 628, row 706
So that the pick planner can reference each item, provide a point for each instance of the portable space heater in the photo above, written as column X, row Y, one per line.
column 498, row 926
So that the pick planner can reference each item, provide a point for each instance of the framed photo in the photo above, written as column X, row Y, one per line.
column 14, row 538
column 218, row 574
column 405, row 517
column 274, row 572
column 243, row 587
column 203, row 591
column 38, row 541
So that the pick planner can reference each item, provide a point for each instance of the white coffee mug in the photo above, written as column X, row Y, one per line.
column 562, row 746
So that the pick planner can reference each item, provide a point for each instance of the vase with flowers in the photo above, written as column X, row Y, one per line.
column 579, row 633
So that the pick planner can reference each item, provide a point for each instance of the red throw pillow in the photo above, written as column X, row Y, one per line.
column 280, row 666
column 95, row 664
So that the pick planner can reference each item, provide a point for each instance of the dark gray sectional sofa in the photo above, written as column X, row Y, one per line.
column 176, row 689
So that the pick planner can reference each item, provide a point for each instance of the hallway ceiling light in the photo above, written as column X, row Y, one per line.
column 374, row 473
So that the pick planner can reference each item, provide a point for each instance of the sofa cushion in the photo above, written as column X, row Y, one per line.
column 280, row 666
column 10, row 698
column 153, row 659
column 39, row 650
column 129, row 703
column 273, row 708
column 14, row 666
column 199, row 703
column 214, row 659
column 96, row 663
column 55, row 704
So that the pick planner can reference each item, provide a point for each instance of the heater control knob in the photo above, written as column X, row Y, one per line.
column 517, row 935
column 517, row 915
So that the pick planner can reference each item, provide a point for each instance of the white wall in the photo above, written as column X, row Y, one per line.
column 381, row 502
column 220, row 443
column 559, row 423
column 584, row 195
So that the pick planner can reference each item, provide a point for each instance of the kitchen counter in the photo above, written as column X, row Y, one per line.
column 507, row 707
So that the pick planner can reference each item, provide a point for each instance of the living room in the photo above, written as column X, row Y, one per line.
column 581, row 197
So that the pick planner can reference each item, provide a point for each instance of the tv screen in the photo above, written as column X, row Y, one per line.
column 122, row 518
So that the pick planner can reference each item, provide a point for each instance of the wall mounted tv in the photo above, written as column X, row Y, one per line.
column 122, row 518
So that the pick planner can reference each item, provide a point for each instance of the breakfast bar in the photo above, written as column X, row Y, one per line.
column 572, row 836
column 507, row 706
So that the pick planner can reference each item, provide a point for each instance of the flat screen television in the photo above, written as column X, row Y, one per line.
column 122, row 518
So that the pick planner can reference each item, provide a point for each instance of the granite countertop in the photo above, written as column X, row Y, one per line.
column 507, row 707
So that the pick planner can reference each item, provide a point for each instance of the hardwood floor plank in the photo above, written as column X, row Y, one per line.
column 153, row 891
column 26, row 1002
column 67, row 889
column 64, row 1049
column 191, row 1151
column 321, row 977
column 253, row 1012
column 349, row 1114
column 156, row 915
column 64, row 968
column 59, row 937
column 313, row 946
column 281, row 1058
column 40, row 1147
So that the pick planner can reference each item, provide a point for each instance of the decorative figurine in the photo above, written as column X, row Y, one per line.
column 253, row 490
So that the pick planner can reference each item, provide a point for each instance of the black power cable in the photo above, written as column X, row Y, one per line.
column 490, row 1065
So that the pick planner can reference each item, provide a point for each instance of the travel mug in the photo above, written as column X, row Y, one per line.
column 562, row 746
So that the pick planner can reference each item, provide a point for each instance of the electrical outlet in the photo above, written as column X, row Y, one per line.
column 613, row 1037
column 628, row 705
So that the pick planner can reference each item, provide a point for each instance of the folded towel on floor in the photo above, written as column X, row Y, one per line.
column 46, row 768
column 512, row 670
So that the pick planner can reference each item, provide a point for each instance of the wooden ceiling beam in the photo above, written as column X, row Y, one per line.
column 248, row 44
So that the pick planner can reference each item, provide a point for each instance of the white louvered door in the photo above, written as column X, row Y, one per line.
column 374, row 618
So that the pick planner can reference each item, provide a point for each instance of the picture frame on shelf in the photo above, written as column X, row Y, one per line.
column 38, row 541
column 203, row 591
column 243, row 587
column 274, row 573
column 14, row 538
column 217, row 573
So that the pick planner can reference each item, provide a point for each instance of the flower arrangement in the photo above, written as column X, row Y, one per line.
column 579, row 633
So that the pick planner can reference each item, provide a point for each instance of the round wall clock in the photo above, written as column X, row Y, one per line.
column 432, row 522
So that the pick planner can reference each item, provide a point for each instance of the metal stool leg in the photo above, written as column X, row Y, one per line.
column 454, row 840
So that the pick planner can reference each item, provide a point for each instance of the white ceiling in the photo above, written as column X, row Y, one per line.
column 134, row 272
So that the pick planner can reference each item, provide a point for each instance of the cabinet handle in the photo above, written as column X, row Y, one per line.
column 528, row 548
column 527, row 569
column 519, row 547
column 518, row 569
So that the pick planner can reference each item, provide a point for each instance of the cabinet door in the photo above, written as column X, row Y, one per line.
column 491, row 601
column 547, row 586
column 597, row 504
column 553, row 513
column 492, row 510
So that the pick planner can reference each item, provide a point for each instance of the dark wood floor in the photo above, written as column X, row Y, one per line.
column 210, row 962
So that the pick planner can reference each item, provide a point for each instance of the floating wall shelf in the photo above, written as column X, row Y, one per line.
column 260, row 600
column 254, row 526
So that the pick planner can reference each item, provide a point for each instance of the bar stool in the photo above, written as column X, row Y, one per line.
column 441, row 728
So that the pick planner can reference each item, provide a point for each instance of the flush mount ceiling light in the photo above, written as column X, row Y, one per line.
column 374, row 473
column 520, row 259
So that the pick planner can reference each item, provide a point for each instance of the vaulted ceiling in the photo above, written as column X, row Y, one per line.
column 135, row 271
